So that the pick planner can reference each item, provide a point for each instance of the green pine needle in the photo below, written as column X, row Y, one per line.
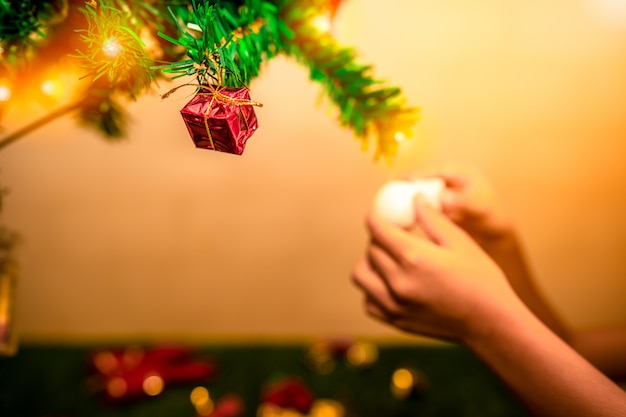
column 365, row 104
column 231, row 43
column 114, row 50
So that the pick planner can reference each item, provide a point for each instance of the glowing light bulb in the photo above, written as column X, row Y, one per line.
column 111, row 47
column 5, row 92
column 322, row 22
column 52, row 88
column 399, row 136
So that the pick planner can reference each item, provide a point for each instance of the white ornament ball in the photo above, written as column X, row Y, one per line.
column 394, row 201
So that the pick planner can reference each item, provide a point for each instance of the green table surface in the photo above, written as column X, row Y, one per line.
column 44, row 380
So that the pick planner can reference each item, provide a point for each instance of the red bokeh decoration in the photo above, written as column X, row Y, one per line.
column 230, row 405
column 120, row 374
column 288, row 393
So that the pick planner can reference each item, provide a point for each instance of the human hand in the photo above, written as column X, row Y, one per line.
column 470, row 200
column 441, row 285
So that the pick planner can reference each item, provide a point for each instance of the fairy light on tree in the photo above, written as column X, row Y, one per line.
column 111, row 47
column 5, row 92
column 52, row 88
column 322, row 22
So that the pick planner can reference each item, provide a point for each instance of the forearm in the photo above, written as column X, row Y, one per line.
column 545, row 373
column 605, row 348
column 507, row 251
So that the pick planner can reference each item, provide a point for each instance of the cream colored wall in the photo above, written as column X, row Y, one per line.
column 154, row 237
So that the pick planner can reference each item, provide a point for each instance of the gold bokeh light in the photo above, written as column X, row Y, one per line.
column 153, row 385
column 201, row 401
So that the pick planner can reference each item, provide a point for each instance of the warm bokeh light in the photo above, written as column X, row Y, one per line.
column 117, row 387
column 403, row 379
column 199, row 395
column 407, row 382
column 402, row 383
column 5, row 92
column 327, row 408
column 322, row 22
column 153, row 385
column 399, row 136
column 362, row 354
column 320, row 359
column 105, row 362
column 52, row 88
column 111, row 47
column 201, row 400
column 271, row 410
column 132, row 356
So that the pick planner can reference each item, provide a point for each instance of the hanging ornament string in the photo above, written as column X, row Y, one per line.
column 215, row 92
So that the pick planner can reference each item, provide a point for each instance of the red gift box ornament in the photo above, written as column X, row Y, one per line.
column 221, row 118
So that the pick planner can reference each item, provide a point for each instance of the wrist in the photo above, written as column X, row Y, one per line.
column 502, row 239
column 499, row 325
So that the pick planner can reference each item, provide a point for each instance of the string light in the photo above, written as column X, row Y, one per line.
column 52, row 88
column 322, row 22
column 5, row 92
column 111, row 47
column 399, row 136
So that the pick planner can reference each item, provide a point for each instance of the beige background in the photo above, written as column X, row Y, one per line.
column 154, row 238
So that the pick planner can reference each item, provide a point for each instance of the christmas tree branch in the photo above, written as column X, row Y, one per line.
column 61, row 111
column 365, row 104
column 225, row 44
